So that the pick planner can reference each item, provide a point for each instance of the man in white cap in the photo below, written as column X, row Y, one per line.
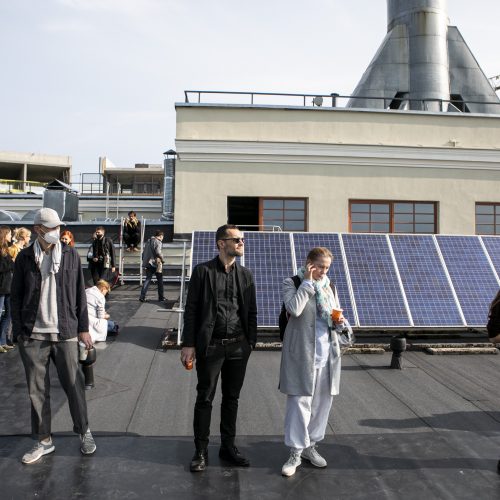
column 49, row 316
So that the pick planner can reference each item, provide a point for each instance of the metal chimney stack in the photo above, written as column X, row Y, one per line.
column 423, row 63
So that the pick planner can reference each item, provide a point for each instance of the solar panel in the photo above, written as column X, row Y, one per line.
column 203, row 247
column 269, row 257
column 303, row 242
column 471, row 274
column 376, row 289
column 492, row 244
column 426, row 286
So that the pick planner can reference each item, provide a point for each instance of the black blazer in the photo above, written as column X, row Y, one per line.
column 200, row 312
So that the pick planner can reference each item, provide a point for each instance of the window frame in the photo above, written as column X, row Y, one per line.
column 496, row 218
column 392, row 223
column 284, row 199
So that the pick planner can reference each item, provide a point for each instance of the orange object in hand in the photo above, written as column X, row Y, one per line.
column 336, row 314
column 189, row 364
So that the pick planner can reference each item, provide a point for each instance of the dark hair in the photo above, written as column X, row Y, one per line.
column 4, row 244
column 221, row 232
column 159, row 233
column 132, row 213
column 319, row 252
column 100, row 228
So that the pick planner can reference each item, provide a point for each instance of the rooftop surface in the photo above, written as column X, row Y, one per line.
column 431, row 430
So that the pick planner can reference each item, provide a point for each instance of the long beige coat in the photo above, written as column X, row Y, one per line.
column 299, row 344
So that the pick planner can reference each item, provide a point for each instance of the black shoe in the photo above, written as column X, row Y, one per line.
column 498, row 467
column 142, row 300
column 162, row 299
column 199, row 461
column 231, row 454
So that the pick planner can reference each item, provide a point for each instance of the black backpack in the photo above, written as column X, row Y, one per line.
column 283, row 318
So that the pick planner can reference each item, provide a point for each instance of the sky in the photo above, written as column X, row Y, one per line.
column 90, row 78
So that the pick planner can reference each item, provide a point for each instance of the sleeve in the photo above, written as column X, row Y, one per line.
column 295, row 299
column 191, row 309
column 252, row 314
column 112, row 252
column 100, row 308
column 16, row 295
column 81, row 298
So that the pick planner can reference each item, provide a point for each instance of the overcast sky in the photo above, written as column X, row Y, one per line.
column 90, row 78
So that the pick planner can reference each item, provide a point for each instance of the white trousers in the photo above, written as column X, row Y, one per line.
column 307, row 416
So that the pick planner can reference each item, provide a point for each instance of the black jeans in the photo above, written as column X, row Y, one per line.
column 230, row 361
column 36, row 356
column 131, row 240
column 97, row 270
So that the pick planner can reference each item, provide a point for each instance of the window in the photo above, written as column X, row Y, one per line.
column 393, row 217
column 487, row 218
column 290, row 214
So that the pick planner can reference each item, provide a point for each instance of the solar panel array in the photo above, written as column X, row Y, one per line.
column 396, row 281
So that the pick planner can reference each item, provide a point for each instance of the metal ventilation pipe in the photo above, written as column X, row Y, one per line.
column 427, row 24
column 169, row 185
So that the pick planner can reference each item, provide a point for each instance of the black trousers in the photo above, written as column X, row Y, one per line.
column 230, row 362
column 131, row 240
column 97, row 270
column 36, row 356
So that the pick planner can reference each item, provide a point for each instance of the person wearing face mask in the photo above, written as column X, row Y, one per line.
column 310, row 359
column 103, row 255
column 49, row 316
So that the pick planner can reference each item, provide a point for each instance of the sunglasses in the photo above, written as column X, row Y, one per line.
column 235, row 240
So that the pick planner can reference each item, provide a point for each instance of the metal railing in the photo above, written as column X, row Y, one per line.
column 9, row 186
column 332, row 100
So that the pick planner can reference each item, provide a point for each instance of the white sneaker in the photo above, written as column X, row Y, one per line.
column 87, row 443
column 291, row 464
column 37, row 452
column 311, row 454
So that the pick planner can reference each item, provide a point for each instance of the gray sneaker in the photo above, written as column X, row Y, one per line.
column 37, row 452
column 313, row 456
column 87, row 443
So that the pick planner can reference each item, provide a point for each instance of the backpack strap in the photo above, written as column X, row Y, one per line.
column 296, row 281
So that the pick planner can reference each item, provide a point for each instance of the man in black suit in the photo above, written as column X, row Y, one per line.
column 220, row 331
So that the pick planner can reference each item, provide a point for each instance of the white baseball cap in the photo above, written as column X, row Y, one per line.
column 47, row 217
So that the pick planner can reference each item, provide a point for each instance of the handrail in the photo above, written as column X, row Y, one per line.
column 317, row 99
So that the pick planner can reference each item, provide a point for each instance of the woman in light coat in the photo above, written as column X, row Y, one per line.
column 100, row 326
column 310, row 359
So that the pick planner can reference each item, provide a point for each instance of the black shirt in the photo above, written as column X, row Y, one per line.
column 227, row 323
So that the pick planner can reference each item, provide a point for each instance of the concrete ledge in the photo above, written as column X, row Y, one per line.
column 461, row 350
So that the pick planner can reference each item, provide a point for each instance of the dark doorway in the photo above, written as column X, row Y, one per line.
column 244, row 212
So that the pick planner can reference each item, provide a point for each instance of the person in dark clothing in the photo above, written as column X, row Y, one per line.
column 49, row 317
column 132, row 232
column 493, row 328
column 6, row 268
column 152, row 262
column 103, row 255
column 220, row 331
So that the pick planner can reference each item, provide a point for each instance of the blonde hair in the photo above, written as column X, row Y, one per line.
column 22, row 233
column 103, row 284
column 4, row 244
column 318, row 252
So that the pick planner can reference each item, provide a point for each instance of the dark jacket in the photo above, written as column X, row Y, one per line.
column 71, row 299
column 101, row 248
column 201, row 306
column 493, row 325
column 6, row 268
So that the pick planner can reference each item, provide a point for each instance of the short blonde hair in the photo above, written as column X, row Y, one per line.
column 22, row 232
column 103, row 284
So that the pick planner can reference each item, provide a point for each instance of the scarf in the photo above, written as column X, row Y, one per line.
column 325, row 301
column 56, row 256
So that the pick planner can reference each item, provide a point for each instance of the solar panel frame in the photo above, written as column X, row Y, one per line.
column 491, row 245
column 420, row 266
column 268, row 255
column 303, row 242
column 379, row 299
column 471, row 274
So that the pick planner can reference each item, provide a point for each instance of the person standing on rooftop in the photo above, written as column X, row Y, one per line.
column 49, row 316
column 310, row 359
column 220, row 331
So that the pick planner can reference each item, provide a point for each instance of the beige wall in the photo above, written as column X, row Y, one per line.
column 397, row 156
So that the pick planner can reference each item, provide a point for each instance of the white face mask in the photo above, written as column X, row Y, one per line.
column 52, row 237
